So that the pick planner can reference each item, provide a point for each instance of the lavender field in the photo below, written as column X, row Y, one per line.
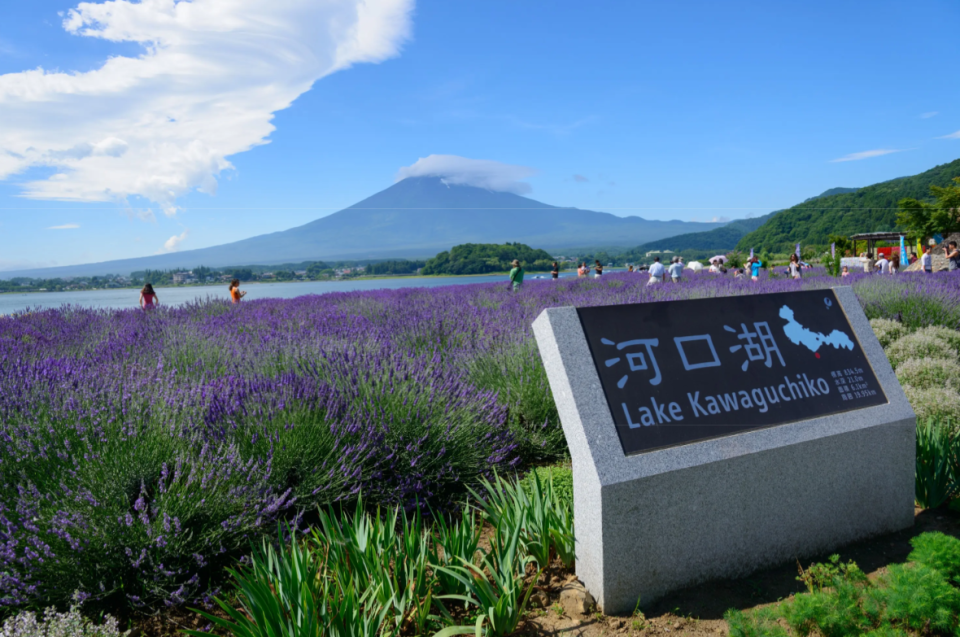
column 143, row 451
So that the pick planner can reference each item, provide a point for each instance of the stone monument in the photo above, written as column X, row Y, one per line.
column 713, row 437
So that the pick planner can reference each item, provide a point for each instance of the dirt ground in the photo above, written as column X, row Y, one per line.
column 698, row 611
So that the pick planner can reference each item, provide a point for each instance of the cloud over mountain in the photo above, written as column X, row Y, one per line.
column 480, row 173
column 211, row 76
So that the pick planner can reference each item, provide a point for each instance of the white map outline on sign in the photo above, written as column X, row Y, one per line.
column 799, row 335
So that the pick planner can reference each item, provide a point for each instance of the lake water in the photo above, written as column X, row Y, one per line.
column 115, row 299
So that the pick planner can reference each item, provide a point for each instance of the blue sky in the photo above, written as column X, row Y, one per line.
column 686, row 110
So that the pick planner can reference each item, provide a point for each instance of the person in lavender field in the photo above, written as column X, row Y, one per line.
column 598, row 268
column 676, row 270
column 795, row 270
column 656, row 272
column 235, row 293
column 883, row 264
column 555, row 272
column 148, row 298
column 755, row 265
column 926, row 261
column 516, row 275
column 582, row 270
column 953, row 256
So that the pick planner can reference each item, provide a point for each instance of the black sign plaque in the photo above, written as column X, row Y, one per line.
column 677, row 372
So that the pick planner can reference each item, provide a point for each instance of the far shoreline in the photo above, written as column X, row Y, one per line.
column 375, row 277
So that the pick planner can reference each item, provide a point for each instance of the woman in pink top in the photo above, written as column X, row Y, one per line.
column 148, row 298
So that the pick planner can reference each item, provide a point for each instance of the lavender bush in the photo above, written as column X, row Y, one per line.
column 143, row 451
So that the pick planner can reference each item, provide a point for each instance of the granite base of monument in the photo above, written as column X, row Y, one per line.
column 653, row 522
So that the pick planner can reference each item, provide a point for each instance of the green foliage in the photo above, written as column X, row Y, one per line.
column 833, row 264
column 545, row 520
column 759, row 623
column 937, row 551
column 560, row 476
column 736, row 259
column 483, row 258
column 282, row 594
column 922, row 219
column 870, row 209
column 823, row 575
column 456, row 543
column 942, row 373
column 935, row 464
column 915, row 596
column 386, row 573
column 495, row 587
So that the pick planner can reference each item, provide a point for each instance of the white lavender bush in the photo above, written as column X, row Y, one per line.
column 888, row 331
column 935, row 402
column 54, row 624
column 922, row 346
column 943, row 333
column 927, row 373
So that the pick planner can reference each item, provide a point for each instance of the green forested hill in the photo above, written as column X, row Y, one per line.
column 481, row 258
column 719, row 239
column 870, row 209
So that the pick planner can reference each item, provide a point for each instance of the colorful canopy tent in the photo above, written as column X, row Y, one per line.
column 873, row 237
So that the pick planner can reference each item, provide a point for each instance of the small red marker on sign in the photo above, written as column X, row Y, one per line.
column 817, row 354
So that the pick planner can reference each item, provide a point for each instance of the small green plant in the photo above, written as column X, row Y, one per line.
column 558, row 609
column 759, row 623
column 495, row 587
column 915, row 596
column 936, row 459
column 455, row 543
column 823, row 575
column 938, row 551
column 546, row 523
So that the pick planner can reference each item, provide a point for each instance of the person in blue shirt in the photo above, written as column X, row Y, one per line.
column 755, row 266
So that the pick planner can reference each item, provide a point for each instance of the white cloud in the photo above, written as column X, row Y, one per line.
column 952, row 135
column 929, row 115
column 720, row 219
column 482, row 173
column 66, row 226
column 867, row 154
column 212, row 74
column 173, row 243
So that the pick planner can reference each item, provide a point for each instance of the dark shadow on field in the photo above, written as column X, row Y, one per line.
column 711, row 600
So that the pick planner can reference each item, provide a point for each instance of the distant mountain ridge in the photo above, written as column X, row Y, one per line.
column 414, row 218
column 869, row 209
column 719, row 239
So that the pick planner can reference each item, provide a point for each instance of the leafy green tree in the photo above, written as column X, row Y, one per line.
column 923, row 219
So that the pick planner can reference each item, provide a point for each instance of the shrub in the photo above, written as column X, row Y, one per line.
column 916, row 596
column 935, row 469
column 920, row 346
column 937, row 403
column 562, row 478
column 947, row 334
column 938, row 551
column 54, row 624
column 757, row 623
column 928, row 373
column 887, row 331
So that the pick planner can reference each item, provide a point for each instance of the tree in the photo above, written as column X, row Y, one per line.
column 921, row 219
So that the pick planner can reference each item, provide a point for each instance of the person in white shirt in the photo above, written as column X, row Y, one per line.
column 675, row 269
column 883, row 265
column 926, row 262
column 656, row 271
